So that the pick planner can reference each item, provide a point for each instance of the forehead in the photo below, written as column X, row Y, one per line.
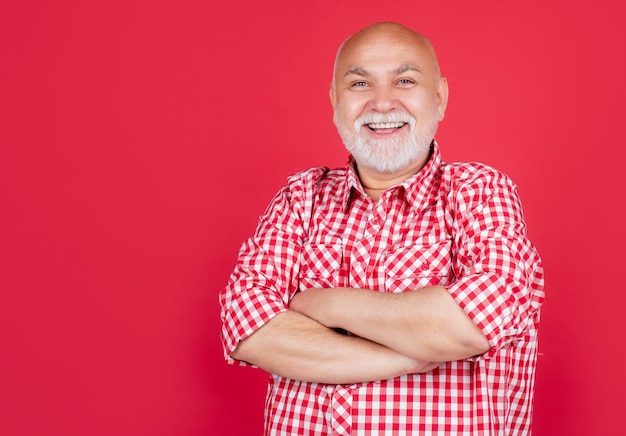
column 385, row 51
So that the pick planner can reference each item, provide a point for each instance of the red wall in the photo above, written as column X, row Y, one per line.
column 139, row 142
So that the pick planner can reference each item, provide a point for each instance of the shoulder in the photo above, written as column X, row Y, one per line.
column 296, row 201
column 476, row 186
column 315, row 175
column 316, row 179
column 474, row 175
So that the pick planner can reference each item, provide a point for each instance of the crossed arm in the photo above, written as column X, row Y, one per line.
column 392, row 335
column 410, row 332
column 426, row 325
column 295, row 346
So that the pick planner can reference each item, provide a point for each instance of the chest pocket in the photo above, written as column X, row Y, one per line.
column 320, row 264
column 417, row 266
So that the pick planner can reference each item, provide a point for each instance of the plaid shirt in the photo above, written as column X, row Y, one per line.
column 459, row 225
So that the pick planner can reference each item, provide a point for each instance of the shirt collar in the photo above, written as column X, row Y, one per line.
column 353, row 184
column 417, row 189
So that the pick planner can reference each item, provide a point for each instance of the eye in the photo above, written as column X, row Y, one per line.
column 359, row 84
column 406, row 82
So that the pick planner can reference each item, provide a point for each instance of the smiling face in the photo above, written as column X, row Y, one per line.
column 388, row 98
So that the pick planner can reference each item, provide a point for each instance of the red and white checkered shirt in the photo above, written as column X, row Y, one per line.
column 459, row 225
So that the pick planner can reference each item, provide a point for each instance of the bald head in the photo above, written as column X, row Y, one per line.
column 390, row 34
column 388, row 97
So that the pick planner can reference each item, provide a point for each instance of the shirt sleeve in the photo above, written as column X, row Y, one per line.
column 266, row 273
column 499, row 273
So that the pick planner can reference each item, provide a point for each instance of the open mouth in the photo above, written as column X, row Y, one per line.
column 385, row 127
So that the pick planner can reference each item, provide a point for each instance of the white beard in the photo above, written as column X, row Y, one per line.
column 388, row 155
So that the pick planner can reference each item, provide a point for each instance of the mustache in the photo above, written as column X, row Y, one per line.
column 391, row 117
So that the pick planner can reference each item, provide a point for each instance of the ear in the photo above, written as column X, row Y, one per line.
column 442, row 97
column 332, row 94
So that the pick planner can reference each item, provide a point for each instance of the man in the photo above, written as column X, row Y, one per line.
column 398, row 294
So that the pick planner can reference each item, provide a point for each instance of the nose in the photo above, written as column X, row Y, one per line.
column 383, row 99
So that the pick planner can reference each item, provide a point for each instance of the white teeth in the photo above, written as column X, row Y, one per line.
column 385, row 125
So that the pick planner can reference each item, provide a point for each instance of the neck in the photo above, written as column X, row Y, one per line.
column 375, row 182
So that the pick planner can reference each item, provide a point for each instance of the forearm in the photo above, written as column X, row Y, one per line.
column 297, row 347
column 426, row 324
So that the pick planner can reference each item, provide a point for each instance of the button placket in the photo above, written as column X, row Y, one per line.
column 341, row 403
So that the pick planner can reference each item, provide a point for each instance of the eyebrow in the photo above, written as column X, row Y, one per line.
column 406, row 67
column 359, row 71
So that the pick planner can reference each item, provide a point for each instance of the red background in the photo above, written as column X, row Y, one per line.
column 140, row 141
